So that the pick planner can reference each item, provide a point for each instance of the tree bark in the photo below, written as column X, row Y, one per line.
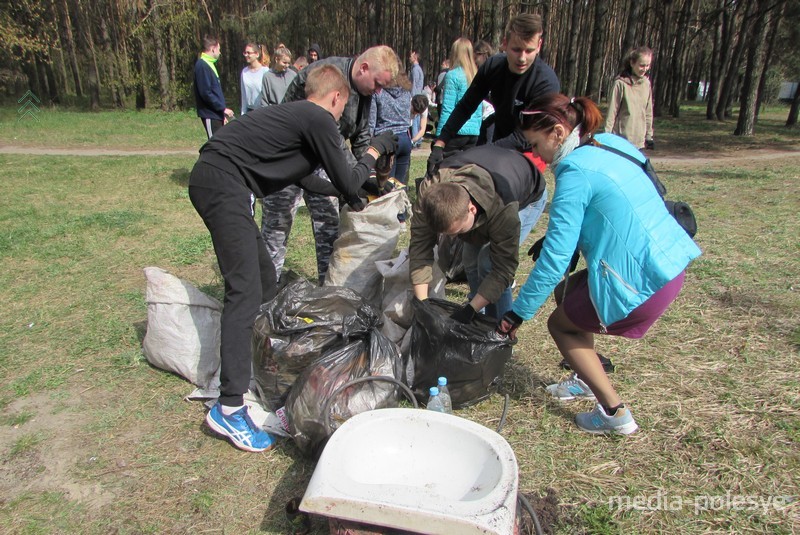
column 161, row 60
column 728, row 87
column 746, row 124
column 772, row 34
column 629, row 40
column 68, row 41
column 791, row 120
column 570, row 83
column 596, row 54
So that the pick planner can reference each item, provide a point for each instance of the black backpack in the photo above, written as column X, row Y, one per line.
column 681, row 211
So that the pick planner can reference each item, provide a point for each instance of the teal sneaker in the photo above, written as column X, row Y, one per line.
column 239, row 429
column 572, row 388
column 598, row 422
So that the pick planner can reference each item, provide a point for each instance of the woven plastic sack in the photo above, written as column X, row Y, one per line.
column 366, row 237
column 183, row 329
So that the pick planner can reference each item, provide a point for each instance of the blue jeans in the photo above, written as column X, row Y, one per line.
column 402, row 158
column 478, row 264
column 415, row 125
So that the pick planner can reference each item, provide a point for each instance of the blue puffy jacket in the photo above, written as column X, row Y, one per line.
column 607, row 207
column 455, row 85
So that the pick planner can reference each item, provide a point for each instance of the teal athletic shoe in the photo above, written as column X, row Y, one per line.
column 598, row 422
column 239, row 429
column 569, row 389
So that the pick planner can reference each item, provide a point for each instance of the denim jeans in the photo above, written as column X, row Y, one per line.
column 478, row 264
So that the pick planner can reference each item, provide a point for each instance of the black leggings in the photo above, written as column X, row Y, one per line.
column 246, row 267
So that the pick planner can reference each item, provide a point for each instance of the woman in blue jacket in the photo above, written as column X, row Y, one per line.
column 456, row 82
column 636, row 253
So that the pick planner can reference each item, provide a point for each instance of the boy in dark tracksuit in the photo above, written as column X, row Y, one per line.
column 263, row 152
column 208, row 97
column 509, row 80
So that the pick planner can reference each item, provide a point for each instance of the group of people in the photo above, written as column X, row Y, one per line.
column 317, row 143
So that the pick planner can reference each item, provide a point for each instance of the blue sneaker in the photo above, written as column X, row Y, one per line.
column 239, row 429
column 599, row 422
column 572, row 388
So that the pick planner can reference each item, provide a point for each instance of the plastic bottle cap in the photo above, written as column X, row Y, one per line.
column 434, row 391
column 442, row 381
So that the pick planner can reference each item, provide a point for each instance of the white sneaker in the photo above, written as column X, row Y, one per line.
column 598, row 422
column 572, row 388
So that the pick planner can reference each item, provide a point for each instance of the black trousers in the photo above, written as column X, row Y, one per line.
column 246, row 268
column 211, row 126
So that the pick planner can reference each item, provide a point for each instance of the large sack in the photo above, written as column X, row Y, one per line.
column 312, row 394
column 472, row 357
column 183, row 329
column 366, row 237
column 398, row 293
column 297, row 327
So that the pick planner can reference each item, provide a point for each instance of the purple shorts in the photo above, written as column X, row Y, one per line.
column 580, row 311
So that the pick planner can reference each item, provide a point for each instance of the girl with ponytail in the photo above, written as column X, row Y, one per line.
column 636, row 254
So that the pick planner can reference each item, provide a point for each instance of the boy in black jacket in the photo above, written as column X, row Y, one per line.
column 261, row 153
column 509, row 80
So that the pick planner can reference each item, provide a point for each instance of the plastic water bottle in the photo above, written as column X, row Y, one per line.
column 435, row 401
column 444, row 394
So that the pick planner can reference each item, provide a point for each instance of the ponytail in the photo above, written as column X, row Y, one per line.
column 588, row 115
column 545, row 112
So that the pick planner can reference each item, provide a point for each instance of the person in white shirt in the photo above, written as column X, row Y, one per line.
column 252, row 78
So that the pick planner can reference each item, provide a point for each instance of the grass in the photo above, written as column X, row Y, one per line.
column 120, row 129
column 94, row 440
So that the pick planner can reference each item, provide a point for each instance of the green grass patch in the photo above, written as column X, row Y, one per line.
column 713, row 385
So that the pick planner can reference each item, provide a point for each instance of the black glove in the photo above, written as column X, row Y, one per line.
column 536, row 250
column 373, row 187
column 509, row 324
column 354, row 202
column 464, row 314
column 436, row 157
column 649, row 144
column 385, row 143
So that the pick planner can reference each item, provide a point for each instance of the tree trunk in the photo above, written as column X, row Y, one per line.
column 772, row 33
column 571, row 79
column 727, row 90
column 629, row 41
column 746, row 124
column 791, row 120
column 677, row 75
column 65, row 30
column 596, row 54
column 88, row 44
column 161, row 60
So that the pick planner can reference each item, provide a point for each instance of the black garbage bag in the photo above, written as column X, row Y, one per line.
column 472, row 357
column 315, row 391
column 450, row 250
column 297, row 327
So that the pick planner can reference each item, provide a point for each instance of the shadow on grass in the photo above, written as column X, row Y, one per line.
column 292, row 485
column 180, row 176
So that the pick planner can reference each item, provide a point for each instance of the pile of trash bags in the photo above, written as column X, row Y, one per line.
column 324, row 354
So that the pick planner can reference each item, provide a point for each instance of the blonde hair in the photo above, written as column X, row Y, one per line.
column 381, row 58
column 462, row 55
column 325, row 78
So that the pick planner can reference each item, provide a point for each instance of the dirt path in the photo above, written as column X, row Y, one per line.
column 699, row 158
